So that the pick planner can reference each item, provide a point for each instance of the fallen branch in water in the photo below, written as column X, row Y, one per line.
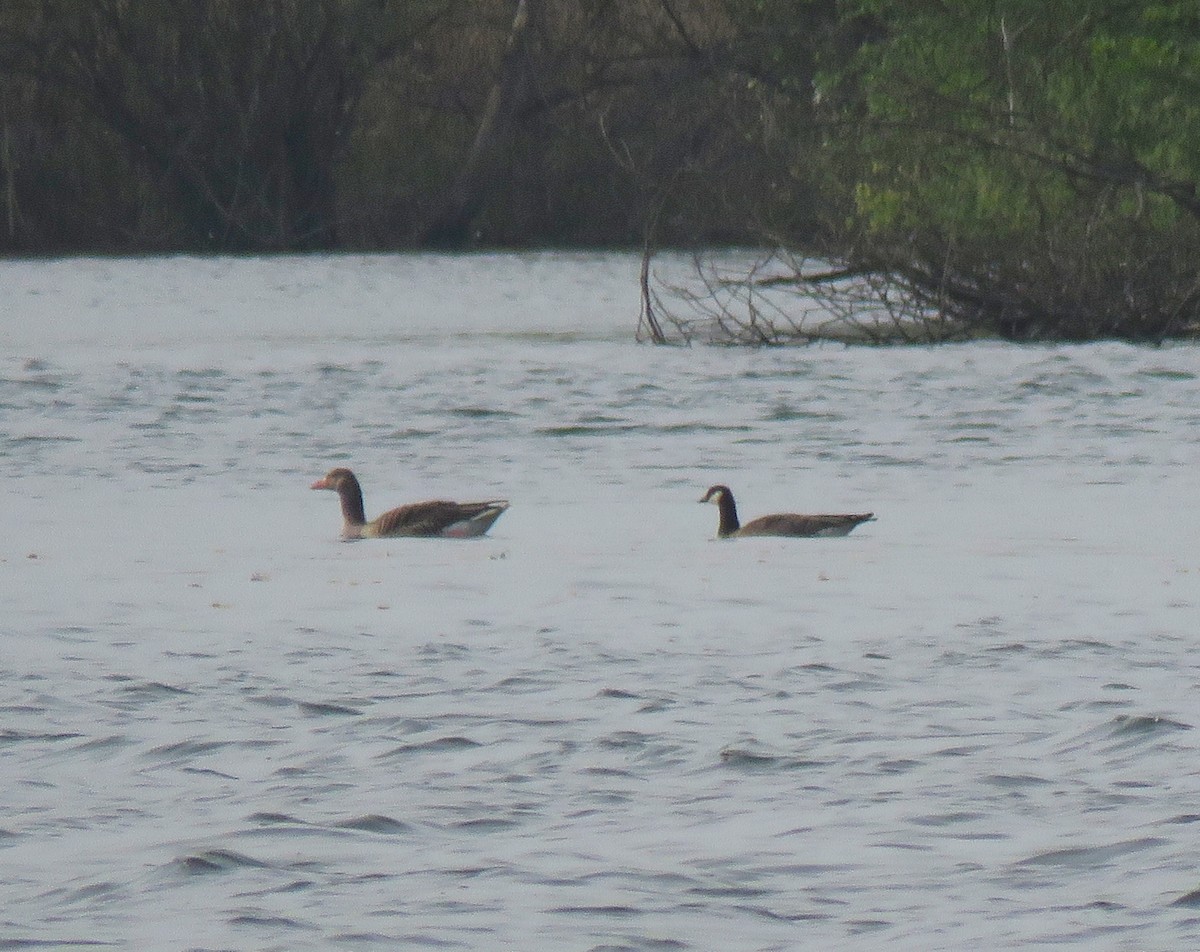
column 777, row 299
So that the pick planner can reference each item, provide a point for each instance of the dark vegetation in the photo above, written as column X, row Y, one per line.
column 1017, row 168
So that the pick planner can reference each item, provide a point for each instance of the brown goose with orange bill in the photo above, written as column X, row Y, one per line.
column 433, row 519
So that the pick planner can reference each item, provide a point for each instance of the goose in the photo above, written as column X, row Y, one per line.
column 436, row 518
column 780, row 524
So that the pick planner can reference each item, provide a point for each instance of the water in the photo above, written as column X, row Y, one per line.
column 970, row 723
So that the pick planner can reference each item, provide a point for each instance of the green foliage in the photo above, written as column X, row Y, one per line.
column 1051, row 143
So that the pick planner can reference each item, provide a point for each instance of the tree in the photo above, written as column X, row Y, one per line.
column 298, row 124
column 1021, row 168
column 1029, row 168
column 576, row 121
column 235, row 113
column 472, row 181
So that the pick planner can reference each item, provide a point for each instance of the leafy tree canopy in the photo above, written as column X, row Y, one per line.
column 1031, row 167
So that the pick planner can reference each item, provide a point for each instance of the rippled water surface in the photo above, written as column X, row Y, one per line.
column 970, row 724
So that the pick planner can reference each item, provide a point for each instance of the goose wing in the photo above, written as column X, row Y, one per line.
column 439, row 517
column 795, row 524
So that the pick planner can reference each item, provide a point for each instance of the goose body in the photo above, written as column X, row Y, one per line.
column 432, row 519
column 780, row 524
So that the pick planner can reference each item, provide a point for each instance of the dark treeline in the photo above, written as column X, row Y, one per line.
column 293, row 125
column 1026, row 168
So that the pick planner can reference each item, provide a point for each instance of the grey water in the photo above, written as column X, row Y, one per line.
column 971, row 723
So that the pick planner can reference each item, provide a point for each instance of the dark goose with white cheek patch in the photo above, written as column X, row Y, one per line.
column 780, row 524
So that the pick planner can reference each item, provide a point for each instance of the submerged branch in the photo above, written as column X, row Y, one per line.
column 649, row 327
column 778, row 299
